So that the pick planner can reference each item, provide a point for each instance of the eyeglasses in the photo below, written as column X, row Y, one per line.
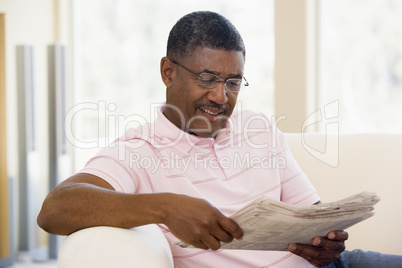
column 209, row 80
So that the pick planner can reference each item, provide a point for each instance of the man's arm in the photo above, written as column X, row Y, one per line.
column 85, row 200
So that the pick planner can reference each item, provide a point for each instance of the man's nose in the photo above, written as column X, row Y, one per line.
column 218, row 94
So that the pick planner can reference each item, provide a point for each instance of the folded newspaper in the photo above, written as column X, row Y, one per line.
column 269, row 224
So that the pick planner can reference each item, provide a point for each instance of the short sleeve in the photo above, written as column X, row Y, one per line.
column 296, row 187
column 113, row 167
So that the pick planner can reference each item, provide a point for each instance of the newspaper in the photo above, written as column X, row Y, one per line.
column 269, row 224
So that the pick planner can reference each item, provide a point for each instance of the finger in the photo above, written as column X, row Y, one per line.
column 231, row 227
column 306, row 251
column 328, row 244
column 199, row 244
column 211, row 242
column 340, row 235
column 222, row 235
column 315, row 255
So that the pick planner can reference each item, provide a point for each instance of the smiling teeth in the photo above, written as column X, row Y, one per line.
column 208, row 112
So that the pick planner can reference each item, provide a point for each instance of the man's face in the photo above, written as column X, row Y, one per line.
column 197, row 109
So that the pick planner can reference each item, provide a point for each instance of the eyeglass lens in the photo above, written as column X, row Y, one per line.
column 211, row 81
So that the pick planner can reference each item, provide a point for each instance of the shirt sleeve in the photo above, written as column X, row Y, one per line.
column 114, row 167
column 296, row 187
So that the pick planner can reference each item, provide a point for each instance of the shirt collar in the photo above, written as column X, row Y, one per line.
column 168, row 134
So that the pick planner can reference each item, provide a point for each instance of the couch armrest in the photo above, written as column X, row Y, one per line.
column 102, row 246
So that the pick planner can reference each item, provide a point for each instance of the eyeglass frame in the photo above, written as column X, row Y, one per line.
column 246, row 83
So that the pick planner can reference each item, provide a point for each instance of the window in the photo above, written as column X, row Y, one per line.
column 361, row 63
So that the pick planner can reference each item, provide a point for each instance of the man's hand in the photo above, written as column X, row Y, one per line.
column 196, row 222
column 325, row 249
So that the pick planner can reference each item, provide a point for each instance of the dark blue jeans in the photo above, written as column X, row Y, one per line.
column 366, row 259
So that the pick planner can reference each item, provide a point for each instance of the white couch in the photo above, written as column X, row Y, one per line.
column 337, row 166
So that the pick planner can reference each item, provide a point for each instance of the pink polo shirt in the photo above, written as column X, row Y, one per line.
column 247, row 159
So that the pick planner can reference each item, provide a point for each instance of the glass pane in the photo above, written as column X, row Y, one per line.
column 119, row 44
column 361, row 63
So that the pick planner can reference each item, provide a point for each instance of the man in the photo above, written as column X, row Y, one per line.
column 200, row 147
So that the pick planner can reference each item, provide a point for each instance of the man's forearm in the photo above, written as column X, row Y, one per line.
column 85, row 200
column 74, row 206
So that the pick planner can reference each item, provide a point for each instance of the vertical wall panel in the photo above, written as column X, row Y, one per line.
column 295, row 62
column 59, row 161
column 24, row 85
column 5, row 251
column 29, row 181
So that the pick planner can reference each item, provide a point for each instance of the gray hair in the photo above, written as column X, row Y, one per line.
column 203, row 29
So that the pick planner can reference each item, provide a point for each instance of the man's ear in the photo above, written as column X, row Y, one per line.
column 167, row 71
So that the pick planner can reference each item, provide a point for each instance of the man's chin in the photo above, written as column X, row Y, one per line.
column 204, row 132
column 206, row 129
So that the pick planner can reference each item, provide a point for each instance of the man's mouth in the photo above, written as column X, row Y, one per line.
column 212, row 111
